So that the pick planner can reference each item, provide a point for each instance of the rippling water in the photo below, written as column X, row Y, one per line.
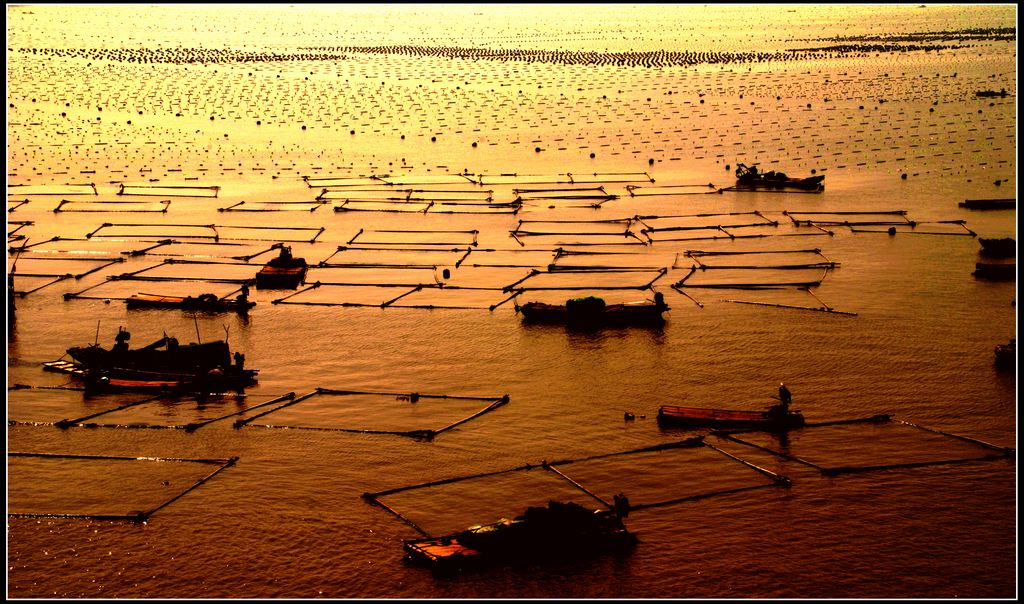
column 413, row 95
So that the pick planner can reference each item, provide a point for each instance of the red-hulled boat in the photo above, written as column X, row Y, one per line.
column 161, row 365
column 775, row 419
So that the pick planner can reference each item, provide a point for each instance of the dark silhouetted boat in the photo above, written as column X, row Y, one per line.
column 161, row 365
column 774, row 419
column 202, row 302
column 1006, row 355
column 1004, row 247
column 283, row 272
column 991, row 93
column 592, row 310
column 996, row 271
column 749, row 177
column 989, row 204
column 555, row 532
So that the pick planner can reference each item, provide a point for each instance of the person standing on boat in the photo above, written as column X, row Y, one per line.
column 785, row 398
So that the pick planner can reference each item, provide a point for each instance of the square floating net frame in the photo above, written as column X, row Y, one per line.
column 486, row 494
column 328, row 407
column 174, row 411
column 882, row 443
column 104, row 206
column 45, row 485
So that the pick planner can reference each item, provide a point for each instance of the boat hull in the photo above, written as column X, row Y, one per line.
column 995, row 271
column 280, row 277
column 695, row 417
column 612, row 314
column 200, row 303
column 552, row 533
column 811, row 183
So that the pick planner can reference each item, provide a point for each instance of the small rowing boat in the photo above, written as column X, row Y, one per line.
column 592, row 310
column 750, row 177
column 775, row 419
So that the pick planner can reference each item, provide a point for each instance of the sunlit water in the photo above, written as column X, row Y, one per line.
column 407, row 94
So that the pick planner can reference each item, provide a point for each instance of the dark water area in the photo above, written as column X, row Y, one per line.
column 227, row 135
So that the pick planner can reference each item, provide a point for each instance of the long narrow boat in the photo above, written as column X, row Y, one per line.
column 203, row 302
column 696, row 417
column 750, row 177
column 989, row 204
column 557, row 531
column 594, row 311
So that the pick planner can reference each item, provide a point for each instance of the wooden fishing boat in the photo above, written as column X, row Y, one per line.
column 750, row 177
column 990, row 93
column 1003, row 247
column 1006, row 354
column 989, row 204
column 774, row 419
column 996, row 271
column 161, row 365
column 202, row 302
column 556, row 531
column 283, row 272
column 593, row 310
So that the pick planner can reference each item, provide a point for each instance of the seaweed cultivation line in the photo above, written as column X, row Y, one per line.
column 472, row 237
column 61, row 276
column 696, row 255
column 159, row 207
column 68, row 189
column 996, row 452
column 428, row 206
column 274, row 206
column 409, row 195
column 831, row 219
column 714, row 225
column 135, row 516
column 895, row 220
column 913, row 229
column 518, row 285
column 455, row 256
column 413, row 398
column 625, row 233
column 13, row 205
column 390, row 299
column 823, row 308
column 749, row 285
column 669, row 190
column 170, row 190
column 568, row 178
column 212, row 229
column 85, row 421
